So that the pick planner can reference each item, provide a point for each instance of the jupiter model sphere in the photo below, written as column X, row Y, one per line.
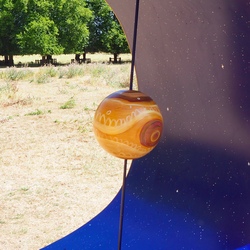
column 128, row 124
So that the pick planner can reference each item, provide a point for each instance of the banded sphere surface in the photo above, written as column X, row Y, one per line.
column 128, row 124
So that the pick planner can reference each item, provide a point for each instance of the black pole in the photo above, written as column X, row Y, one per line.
column 122, row 205
column 134, row 44
column 125, row 161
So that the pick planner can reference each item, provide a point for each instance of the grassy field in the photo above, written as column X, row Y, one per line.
column 54, row 175
column 66, row 59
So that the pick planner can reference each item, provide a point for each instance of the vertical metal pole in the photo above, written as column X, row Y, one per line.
column 122, row 205
column 125, row 161
column 134, row 44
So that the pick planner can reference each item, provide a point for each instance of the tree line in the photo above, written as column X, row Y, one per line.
column 53, row 27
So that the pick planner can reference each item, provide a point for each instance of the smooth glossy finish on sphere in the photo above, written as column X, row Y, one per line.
column 128, row 124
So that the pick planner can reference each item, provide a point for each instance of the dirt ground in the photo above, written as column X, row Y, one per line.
column 54, row 175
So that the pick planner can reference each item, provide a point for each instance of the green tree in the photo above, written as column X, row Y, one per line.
column 98, row 25
column 72, row 18
column 39, row 33
column 58, row 26
column 115, row 40
column 39, row 36
column 106, row 34
column 12, row 14
column 45, row 27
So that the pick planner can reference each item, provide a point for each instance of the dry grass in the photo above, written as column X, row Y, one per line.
column 54, row 175
column 66, row 59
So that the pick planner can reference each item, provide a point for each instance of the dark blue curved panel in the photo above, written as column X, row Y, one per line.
column 193, row 190
column 175, row 205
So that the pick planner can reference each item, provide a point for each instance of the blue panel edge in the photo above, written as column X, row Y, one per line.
column 247, row 247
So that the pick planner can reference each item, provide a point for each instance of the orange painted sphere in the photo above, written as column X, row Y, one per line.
column 128, row 124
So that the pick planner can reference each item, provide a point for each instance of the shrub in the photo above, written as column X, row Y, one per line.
column 8, row 91
column 14, row 74
column 117, row 75
column 74, row 70
column 50, row 71
column 70, row 104
column 37, row 112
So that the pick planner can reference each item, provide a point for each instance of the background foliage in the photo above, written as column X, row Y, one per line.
column 51, row 27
